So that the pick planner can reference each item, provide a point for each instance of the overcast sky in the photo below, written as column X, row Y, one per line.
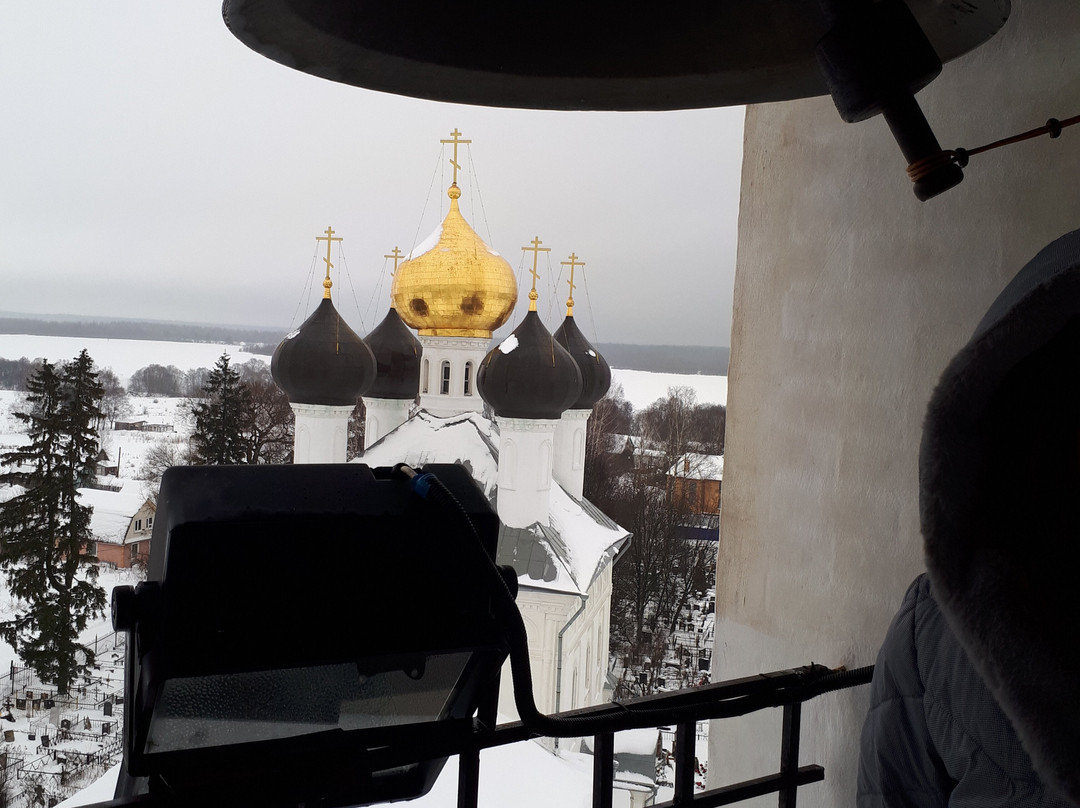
column 152, row 166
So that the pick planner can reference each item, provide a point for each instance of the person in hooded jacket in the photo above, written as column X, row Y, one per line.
column 975, row 700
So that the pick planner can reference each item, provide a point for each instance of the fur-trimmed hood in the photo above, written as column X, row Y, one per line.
column 1000, row 505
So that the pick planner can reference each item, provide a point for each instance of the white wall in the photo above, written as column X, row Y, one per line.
column 321, row 434
column 850, row 298
column 584, row 647
column 458, row 352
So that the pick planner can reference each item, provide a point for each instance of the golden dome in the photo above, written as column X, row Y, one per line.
column 456, row 287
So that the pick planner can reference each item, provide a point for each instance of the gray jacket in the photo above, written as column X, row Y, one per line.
column 934, row 735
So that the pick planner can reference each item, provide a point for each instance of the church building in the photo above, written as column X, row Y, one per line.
column 425, row 400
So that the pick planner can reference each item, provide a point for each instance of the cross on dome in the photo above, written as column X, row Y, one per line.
column 573, row 262
column 535, row 249
column 329, row 238
column 396, row 254
column 455, row 139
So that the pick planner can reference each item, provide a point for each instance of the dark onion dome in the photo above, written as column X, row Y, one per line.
column 595, row 372
column 323, row 361
column 397, row 357
column 529, row 374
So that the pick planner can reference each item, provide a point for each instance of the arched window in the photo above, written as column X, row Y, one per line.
column 424, row 378
column 468, row 378
column 444, row 388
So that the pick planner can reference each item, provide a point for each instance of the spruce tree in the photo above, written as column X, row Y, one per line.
column 44, row 530
column 223, row 418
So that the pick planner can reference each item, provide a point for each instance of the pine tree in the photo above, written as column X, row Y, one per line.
column 223, row 418
column 44, row 530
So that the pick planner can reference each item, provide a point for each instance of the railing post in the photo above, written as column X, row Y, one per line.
column 789, row 754
column 685, row 746
column 468, row 779
column 603, row 769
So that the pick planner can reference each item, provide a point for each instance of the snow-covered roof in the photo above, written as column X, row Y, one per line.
column 694, row 466
column 112, row 512
column 564, row 555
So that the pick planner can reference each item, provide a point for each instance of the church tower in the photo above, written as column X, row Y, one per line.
column 570, row 434
column 397, row 358
column 455, row 291
column 323, row 367
column 529, row 380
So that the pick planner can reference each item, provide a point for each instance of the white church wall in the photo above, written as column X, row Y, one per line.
column 850, row 299
column 585, row 645
column 456, row 354
column 383, row 415
column 569, row 468
column 525, row 451
column 321, row 433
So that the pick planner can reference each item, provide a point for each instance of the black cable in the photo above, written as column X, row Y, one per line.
column 801, row 685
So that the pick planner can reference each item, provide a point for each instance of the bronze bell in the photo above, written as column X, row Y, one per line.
column 603, row 55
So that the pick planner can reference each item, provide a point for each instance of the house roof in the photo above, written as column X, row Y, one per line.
column 694, row 466
column 112, row 513
column 564, row 555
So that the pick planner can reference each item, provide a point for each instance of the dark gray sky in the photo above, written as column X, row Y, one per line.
column 152, row 166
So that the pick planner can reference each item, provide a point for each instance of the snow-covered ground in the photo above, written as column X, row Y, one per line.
column 641, row 387
column 122, row 356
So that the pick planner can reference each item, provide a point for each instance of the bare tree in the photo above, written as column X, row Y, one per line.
column 161, row 455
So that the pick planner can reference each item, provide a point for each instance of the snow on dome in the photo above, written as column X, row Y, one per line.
column 427, row 245
column 508, row 344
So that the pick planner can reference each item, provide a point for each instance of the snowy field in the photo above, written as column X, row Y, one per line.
column 122, row 356
column 125, row 356
column 641, row 388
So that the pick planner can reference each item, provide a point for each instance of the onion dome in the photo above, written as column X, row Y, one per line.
column 397, row 358
column 529, row 374
column 595, row 372
column 454, row 285
column 323, row 361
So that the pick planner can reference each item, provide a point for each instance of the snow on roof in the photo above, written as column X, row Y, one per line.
column 112, row 512
column 467, row 439
column 565, row 555
column 636, row 742
column 694, row 466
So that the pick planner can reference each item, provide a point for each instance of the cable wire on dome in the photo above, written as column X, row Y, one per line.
column 475, row 184
column 305, row 291
column 352, row 286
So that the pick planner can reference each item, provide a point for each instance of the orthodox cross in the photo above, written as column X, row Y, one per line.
column 455, row 135
column 329, row 238
column 573, row 262
column 396, row 255
column 535, row 249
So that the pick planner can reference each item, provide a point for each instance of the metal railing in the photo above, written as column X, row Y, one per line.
column 787, row 689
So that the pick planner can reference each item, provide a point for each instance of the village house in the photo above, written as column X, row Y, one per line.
column 121, row 524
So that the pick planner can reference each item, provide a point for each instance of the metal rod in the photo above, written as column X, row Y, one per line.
column 748, row 789
column 603, row 770
column 468, row 779
column 684, row 762
column 789, row 754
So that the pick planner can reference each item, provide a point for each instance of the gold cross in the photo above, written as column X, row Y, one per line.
column 573, row 262
column 329, row 239
column 455, row 135
column 396, row 255
column 535, row 249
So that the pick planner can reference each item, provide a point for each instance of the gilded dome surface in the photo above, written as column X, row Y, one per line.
column 454, row 285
